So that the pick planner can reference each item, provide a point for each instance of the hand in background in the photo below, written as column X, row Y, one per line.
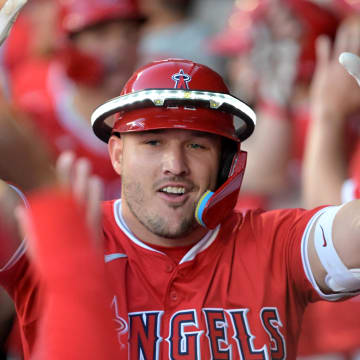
column 332, row 90
column 88, row 190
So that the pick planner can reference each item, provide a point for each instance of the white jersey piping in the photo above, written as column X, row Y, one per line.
column 203, row 244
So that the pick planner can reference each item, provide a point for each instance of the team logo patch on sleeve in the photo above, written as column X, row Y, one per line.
column 181, row 80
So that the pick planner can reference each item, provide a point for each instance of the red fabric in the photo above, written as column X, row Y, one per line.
column 77, row 321
column 330, row 328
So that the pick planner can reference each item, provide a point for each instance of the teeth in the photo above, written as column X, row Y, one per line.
column 174, row 190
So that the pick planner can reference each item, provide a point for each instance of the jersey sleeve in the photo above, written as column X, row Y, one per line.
column 78, row 295
column 284, row 238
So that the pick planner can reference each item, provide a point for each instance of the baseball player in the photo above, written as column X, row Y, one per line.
column 189, row 277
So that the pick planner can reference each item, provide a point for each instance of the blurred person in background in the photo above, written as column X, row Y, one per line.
column 271, row 57
column 173, row 31
column 274, row 69
column 96, row 51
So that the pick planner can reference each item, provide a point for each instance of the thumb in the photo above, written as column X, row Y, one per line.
column 323, row 49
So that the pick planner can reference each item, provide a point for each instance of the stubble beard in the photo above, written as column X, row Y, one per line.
column 134, row 197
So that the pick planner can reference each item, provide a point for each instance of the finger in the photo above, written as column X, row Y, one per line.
column 81, row 174
column 351, row 63
column 341, row 41
column 95, row 197
column 354, row 37
column 348, row 37
column 323, row 50
column 8, row 14
column 64, row 166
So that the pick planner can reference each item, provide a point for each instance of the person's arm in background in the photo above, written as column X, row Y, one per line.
column 268, row 155
column 334, row 96
column 63, row 233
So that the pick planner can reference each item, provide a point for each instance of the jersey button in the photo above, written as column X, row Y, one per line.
column 169, row 268
column 173, row 296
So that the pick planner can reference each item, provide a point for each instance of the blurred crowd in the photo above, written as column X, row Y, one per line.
column 65, row 57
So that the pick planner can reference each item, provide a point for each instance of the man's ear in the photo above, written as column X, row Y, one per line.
column 115, row 148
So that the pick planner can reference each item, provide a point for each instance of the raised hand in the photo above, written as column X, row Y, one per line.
column 332, row 90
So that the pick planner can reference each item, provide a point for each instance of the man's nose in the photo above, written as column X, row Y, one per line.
column 175, row 161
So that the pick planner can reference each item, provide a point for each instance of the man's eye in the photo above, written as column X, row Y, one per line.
column 197, row 146
column 152, row 142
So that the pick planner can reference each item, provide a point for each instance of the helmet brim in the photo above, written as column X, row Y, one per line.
column 244, row 119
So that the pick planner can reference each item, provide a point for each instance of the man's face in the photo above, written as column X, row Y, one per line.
column 164, row 173
column 114, row 45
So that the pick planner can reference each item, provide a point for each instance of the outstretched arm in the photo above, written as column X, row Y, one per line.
column 335, row 94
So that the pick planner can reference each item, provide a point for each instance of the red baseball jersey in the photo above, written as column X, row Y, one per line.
column 239, row 293
column 41, row 89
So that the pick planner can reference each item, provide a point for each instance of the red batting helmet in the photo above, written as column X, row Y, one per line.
column 181, row 94
column 78, row 15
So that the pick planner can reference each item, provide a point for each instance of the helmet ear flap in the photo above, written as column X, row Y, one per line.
column 213, row 207
column 229, row 149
